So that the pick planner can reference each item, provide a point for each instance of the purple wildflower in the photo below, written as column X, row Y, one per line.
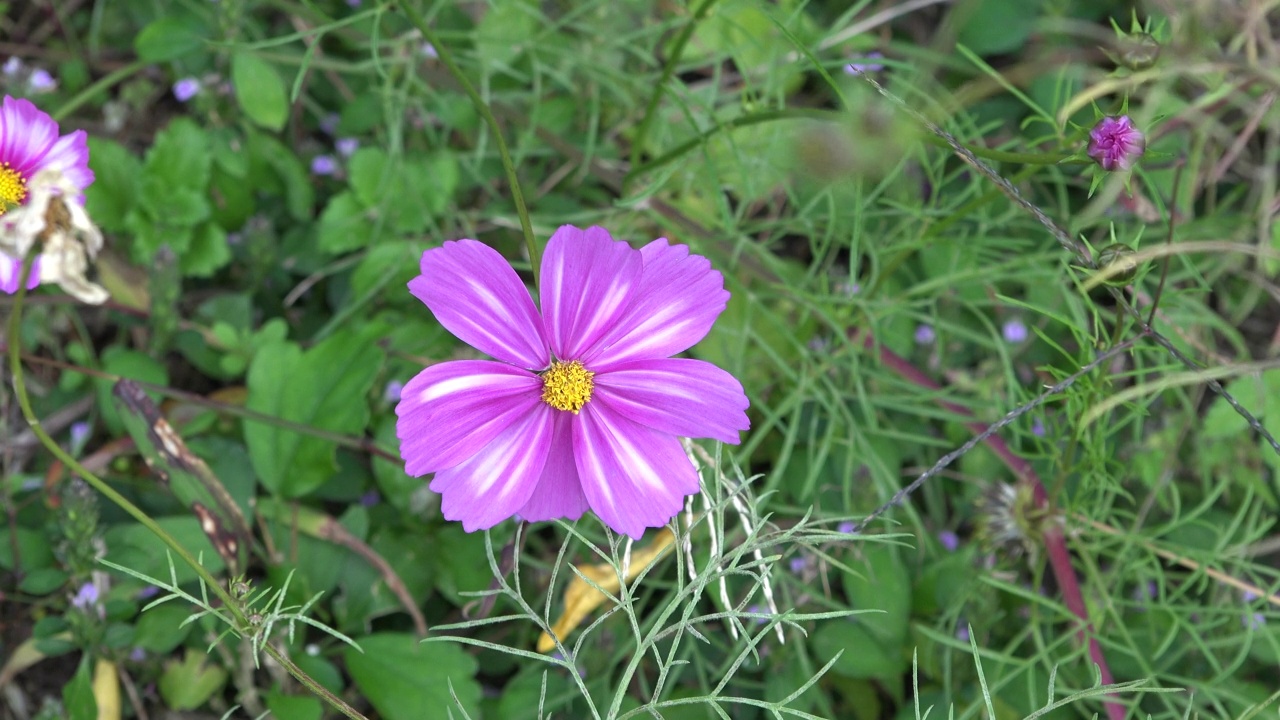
column 799, row 564
column 428, row 50
column 583, row 407
column 329, row 123
column 346, row 147
column 148, row 592
column 391, row 393
column 323, row 165
column 370, row 498
column 1115, row 144
column 41, row 81
column 950, row 541
column 758, row 610
column 1014, row 331
column 1253, row 621
column 186, row 88
column 863, row 66
column 845, row 528
column 137, row 655
column 962, row 633
column 80, row 434
column 12, row 66
column 925, row 334
column 86, row 597
column 1249, row 596
column 1037, row 427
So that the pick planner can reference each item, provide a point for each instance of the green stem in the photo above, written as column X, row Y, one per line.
column 830, row 116
column 668, row 69
column 106, row 82
column 24, row 401
column 482, row 107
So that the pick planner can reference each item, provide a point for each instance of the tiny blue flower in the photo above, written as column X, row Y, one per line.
column 41, row 81
column 323, row 165
column 1014, row 331
column 347, row 147
column 857, row 68
column 186, row 88
column 86, row 597
column 925, row 335
column 949, row 540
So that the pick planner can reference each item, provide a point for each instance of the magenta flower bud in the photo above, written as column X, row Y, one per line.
column 1115, row 144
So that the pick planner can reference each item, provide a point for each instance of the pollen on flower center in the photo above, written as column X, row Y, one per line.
column 567, row 385
column 13, row 188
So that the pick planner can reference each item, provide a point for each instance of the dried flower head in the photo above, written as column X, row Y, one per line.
column 54, row 222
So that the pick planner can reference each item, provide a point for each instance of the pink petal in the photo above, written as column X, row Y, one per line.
column 497, row 481
column 476, row 295
column 70, row 155
column 559, row 491
column 588, row 280
column 688, row 398
column 450, row 411
column 26, row 134
column 11, row 273
column 634, row 477
column 679, row 298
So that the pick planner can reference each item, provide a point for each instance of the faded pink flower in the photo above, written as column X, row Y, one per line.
column 583, row 406
column 29, row 143
column 1115, row 144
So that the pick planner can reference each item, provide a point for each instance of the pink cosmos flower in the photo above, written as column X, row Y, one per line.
column 29, row 143
column 1115, row 144
column 583, row 405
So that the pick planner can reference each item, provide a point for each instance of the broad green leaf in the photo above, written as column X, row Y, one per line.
column 344, row 225
column 881, row 583
column 294, row 707
column 77, row 695
column 116, row 173
column 863, row 654
column 275, row 169
column 505, row 30
column 992, row 27
column 188, row 684
column 180, row 156
column 169, row 38
column 406, row 679
column 160, row 629
column 260, row 91
column 208, row 251
column 324, row 388
column 137, row 548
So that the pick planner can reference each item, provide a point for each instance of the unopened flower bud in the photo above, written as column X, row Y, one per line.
column 1115, row 144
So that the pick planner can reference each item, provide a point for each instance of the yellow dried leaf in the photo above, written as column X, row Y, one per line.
column 106, row 690
column 580, row 598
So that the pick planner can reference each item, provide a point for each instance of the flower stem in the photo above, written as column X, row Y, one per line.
column 1054, row 539
column 24, row 401
column 105, row 82
column 668, row 70
column 517, row 196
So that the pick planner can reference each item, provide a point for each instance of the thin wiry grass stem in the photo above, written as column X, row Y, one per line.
column 1054, row 540
column 482, row 107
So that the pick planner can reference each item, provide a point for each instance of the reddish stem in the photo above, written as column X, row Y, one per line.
column 1054, row 539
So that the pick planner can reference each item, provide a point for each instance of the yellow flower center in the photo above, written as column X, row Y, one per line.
column 567, row 386
column 13, row 188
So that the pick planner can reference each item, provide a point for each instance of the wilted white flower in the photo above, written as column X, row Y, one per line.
column 66, row 238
